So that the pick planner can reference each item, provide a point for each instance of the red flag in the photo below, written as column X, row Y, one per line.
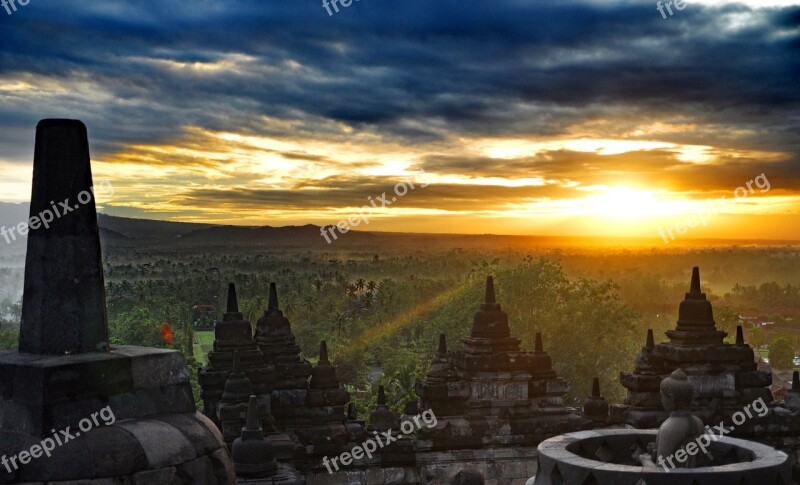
column 166, row 334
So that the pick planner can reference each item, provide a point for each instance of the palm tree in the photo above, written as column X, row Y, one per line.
column 339, row 320
column 351, row 290
column 360, row 284
column 317, row 284
column 372, row 286
column 252, row 308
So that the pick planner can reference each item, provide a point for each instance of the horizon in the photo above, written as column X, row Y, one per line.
column 644, row 242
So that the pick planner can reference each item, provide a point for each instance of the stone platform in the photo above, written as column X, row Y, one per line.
column 41, row 392
column 155, row 436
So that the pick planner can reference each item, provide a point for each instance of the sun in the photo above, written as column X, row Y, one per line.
column 629, row 203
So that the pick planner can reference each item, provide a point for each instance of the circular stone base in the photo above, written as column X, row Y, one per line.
column 605, row 457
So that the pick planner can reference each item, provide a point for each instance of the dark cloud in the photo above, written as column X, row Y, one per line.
column 413, row 72
column 655, row 169
column 356, row 193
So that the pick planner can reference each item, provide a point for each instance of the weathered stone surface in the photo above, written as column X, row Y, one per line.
column 152, row 369
column 199, row 471
column 151, row 477
column 71, row 461
column 63, row 307
column 204, row 436
column 163, row 445
column 115, row 451
column 96, row 481
column 58, row 391
column 223, row 467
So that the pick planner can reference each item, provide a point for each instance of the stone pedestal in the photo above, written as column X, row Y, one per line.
column 154, row 433
column 41, row 392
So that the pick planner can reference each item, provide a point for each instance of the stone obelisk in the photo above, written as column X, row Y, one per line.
column 63, row 308
column 65, row 374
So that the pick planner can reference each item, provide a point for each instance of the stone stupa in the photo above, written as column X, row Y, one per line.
column 234, row 335
column 724, row 375
column 490, row 392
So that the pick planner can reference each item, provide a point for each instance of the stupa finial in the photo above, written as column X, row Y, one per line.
column 490, row 297
column 323, row 353
column 695, row 287
column 272, row 305
column 252, row 415
column 233, row 301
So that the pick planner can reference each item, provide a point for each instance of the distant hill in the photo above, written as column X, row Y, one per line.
column 125, row 231
column 307, row 236
column 146, row 228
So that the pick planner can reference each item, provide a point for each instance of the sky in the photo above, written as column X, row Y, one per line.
column 552, row 117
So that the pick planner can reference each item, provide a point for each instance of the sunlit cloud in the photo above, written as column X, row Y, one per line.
column 603, row 119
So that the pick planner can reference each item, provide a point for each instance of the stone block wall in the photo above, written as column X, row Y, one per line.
column 499, row 466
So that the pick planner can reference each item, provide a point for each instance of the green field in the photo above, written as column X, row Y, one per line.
column 203, row 341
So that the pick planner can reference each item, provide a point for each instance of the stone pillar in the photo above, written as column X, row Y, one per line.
column 64, row 304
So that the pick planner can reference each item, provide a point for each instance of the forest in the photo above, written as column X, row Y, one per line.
column 381, row 312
